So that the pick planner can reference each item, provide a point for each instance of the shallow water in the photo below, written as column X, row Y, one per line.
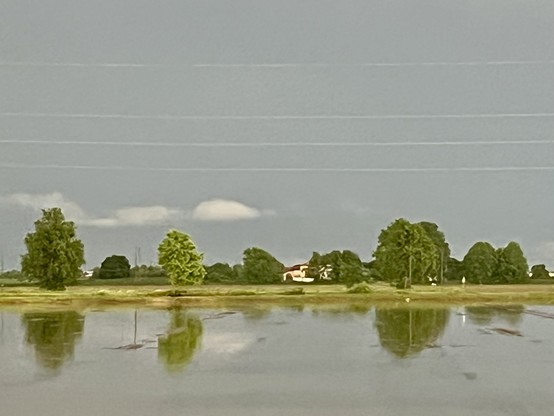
column 294, row 361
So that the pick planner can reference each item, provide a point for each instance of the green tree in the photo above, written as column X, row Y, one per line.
column 404, row 250
column 177, row 346
column 179, row 258
column 512, row 265
column 480, row 263
column 538, row 271
column 115, row 267
column 54, row 253
column 260, row 267
column 221, row 273
column 352, row 270
column 454, row 269
column 439, row 240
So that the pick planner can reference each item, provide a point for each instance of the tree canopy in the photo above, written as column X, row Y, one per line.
column 480, row 263
column 221, row 273
column 115, row 267
column 512, row 265
column 405, row 250
column 178, row 256
column 484, row 265
column 344, row 267
column 54, row 253
column 538, row 271
column 260, row 267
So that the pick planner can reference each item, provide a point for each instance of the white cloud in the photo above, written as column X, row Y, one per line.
column 71, row 210
column 226, row 210
column 129, row 216
column 136, row 216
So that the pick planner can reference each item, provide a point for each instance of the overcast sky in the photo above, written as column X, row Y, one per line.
column 289, row 125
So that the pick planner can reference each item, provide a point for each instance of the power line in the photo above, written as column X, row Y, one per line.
column 280, row 169
column 136, row 65
column 277, row 117
column 25, row 142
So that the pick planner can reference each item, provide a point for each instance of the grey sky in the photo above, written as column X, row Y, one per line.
column 444, row 84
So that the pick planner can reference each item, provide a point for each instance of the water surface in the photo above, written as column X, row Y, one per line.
column 333, row 360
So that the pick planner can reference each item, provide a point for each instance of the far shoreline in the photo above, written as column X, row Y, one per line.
column 225, row 296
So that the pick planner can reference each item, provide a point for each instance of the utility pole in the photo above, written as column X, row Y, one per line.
column 442, row 255
column 137, row 256
column 410, row 272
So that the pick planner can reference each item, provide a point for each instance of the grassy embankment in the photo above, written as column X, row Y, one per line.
column 216, row 296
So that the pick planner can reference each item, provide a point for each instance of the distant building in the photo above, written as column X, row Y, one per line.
column 297, row 273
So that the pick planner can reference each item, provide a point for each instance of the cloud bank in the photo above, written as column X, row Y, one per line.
column 123, row 217
column 212, row 210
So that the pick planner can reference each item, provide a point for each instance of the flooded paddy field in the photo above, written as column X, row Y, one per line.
column 381, row 359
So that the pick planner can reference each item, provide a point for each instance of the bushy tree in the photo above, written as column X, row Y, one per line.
column 485, row 265
column 260, row 267
column 346, row 267
column 538, row 271
column 352, row 270
column 221, row 273
column 54, row 253
column 115, row 267
column 512, row 265
column 179, row 258
column 480, row 263
column 405, row 250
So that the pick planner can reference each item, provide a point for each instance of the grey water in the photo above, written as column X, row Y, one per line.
column 329, row 360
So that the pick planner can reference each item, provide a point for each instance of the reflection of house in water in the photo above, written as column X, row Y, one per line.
column 408, row 331
column 299, row 273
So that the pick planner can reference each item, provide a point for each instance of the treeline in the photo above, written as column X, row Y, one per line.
column 406, row 253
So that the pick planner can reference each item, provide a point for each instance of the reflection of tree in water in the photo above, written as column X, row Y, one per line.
column 342, row 311
column 257, row 313
column 408, row 331
column 184, row 335
column 53, row 334
column 483, row 315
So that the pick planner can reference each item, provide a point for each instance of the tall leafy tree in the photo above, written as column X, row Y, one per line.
column 54, row 253
column 512, row 265
column 439, row 240
column 404, row 250
column 261, row 267
column 480, row 263
column 179, row 257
